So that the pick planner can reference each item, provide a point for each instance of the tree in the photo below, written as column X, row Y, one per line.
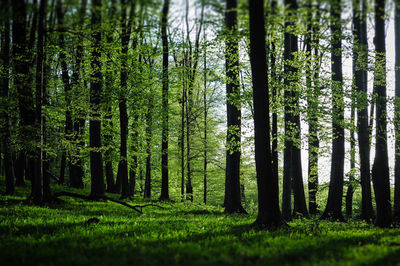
column 360, row 60
column 96, row 158
column 293, row 179
column 126, row 28
column 25, row 93
column 42, row 179
column 380, row 168
column 396, row 213
column 165, row 127
column 312, row 82
column 5, row 84
column 67, row 88
column 76, row 170
column 232, row 201
column 333, row 209
column 269, row 214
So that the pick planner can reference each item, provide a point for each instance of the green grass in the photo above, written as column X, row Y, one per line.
column 180, row 234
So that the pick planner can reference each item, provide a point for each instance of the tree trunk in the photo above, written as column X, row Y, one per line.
column 397, row 113
column 76, row 170
column 352, row 181
column 233, row 142
column 123, row 114
column 267, row 185
column 380, row 169
column 67, row 89
column 165, row 129
column 312, row 101
column 275, row 99
column 182, row 143
column 24, row 91
column 109, row 88
column 5, row 84
column 43, row 180
column 361, row 82
column 149, row 135
column 205, row 106
column 96, row 159
column 333, row 208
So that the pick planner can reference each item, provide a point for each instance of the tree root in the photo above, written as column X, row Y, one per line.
column 137, row 208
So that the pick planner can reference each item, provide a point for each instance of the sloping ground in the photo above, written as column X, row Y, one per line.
column 180, row 234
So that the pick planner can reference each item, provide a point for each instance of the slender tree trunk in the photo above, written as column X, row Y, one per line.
column 182, row 143
column 361, row 82
column 96, row 159
column 165, row 130
column 397, row 113
column 333, row 208
column 21, row 60
column 233, row 142
column 267, row 185
column 380, row 169
column 5, row 84
column 134, row 148
column 123, row 114
column 312, row 101
column 275, row 99
column 109, row 87
column 76, row 170
column 205, row 106
column 20, row 168
column 351, row 185
column 149, row 135
column 67, row 89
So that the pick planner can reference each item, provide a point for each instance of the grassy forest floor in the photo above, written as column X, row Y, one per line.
column 179, row 234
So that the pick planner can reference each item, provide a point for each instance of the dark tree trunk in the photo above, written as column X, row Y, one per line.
column 397, row 113
column 380, row 169
column 275, row 99
column 76, row 171
column 312, row 39
column 67, row 89
column 288, row 149
column 352, row 182
column 123, row 114
column 292, row 126
column 333, row 208
column 21, row 60
column 20, row 168
column 205, row 106
column 361, row 83
column 5, row 83
column 233, row 143
column 109, row 87
column 43, row 179
column 182, row 143
column 149, row 136
column 164, row 141
column 267, row 184
column 96, row 160
column 134, row 149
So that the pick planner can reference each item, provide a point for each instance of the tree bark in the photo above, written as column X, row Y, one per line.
column 333, row 208
column 96, row 159
column 233, row 142
column 76, row 170
column 380, row 169
column 267, row 185
column 165, row 126
column 5, row 84
column 21, row 60
column 396, row 213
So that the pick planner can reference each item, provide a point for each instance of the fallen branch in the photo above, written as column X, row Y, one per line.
column 137, row 208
